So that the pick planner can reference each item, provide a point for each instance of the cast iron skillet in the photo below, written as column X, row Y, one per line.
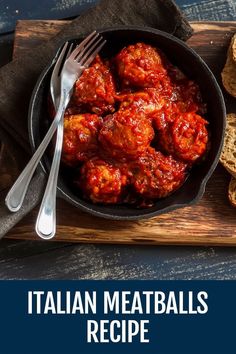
column 195, row 68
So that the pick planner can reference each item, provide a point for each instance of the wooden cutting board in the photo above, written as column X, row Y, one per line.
column 211, row 222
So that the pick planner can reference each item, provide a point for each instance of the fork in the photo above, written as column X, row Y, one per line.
column 46, row 221
column 55, row 88
column 80, row 58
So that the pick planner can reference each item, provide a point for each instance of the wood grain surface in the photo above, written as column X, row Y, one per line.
column 210, row 222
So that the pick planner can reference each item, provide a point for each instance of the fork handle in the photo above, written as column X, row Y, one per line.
column 16, row 195
column 46, row 221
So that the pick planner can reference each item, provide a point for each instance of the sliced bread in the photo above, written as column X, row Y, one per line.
column 229, row 72
column 232, row 192
column 228, row 155
column 233, row 47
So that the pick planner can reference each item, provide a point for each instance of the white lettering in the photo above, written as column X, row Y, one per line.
column 181, row 304
column 133, row 330
column 103, row 331
column 116, row 331
column 90, row 302
column 68, row 302
column 49, row 304
column 148, row 295
column 111, row 302
column 117, row 338
column 190, row 304
column 202, row 296
column 125, row 302
column 143, row 330
column 30, row 302
column 171, row 303
column 59, row 304
column 92, row 328
column 160, row 306
column 136, row 304
column 39, row 295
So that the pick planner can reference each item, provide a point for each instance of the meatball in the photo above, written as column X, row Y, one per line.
column 186, row 138
column 149, row 101
column 95, row 89
column 101, row 182
column 165, row 116
column 185, row 92
column 156, row 176
column 140, row 65
column 125, row 134
column 80, row 137
column 188, row 97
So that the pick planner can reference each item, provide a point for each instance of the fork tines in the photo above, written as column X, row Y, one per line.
column 88, row 49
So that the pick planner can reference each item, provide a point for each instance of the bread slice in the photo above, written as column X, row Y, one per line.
column 233, row 47
column 229, row 72
column 232, row 192
column 228, row 155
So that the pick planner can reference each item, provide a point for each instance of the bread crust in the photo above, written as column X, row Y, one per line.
column 228, row 154
column 233, row 47
column 232, row 192
column 229, row 72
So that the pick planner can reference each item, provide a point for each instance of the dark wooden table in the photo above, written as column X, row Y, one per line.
column 49, row 260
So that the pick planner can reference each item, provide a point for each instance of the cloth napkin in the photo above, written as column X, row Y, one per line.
column 17, row 79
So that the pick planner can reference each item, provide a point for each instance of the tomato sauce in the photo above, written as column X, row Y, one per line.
column 134, row 128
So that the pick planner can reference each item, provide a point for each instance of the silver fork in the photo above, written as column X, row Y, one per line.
column 55, row 88
column 80, row 58
column 55, row 84
column 46, row 220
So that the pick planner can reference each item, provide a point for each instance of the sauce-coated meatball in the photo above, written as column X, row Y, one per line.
column 186, row 93
column 80, row 137
column 95, row 89
column 126, row 134
column 156, row 175
column 140, row 65
column 188, row 98
column 101, row 182
column 186, row 138
column 149, row 101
